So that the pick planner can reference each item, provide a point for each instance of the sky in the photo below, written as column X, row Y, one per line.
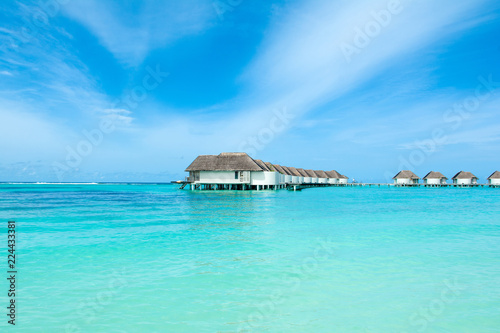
column 97, row 91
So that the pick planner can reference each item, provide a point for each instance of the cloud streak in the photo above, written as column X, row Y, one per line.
column 301, row 59
column 131, row 32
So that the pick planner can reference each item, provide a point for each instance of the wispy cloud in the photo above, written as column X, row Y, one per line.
column 301, row 59
column 50, row 74
column 118, row 117
column 131, row 32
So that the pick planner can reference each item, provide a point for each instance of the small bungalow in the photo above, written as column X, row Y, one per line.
column 223, row 169
column 464, row 178
column 272, row 167
column 267, row 179
column 406, row 177
column 296, row 177
column 281, row 171
column 343, row 179
column 333, row 177
column 494, row 179
column 435, row 178
column 288, row 175
column 306, row 178
column 312, row 174
column 323, row 178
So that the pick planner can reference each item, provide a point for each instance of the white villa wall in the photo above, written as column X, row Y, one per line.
column 323, row 180
column 265, row 178
column 288, row 179
column 314, row 180
column 282, row 178
column 464, row 181
column 223, row 177
column 333, row 181
column 307, row 180
column 494, row 181
column 403, row 181
column 434, row 181
column 343, row 181
column 295, row 179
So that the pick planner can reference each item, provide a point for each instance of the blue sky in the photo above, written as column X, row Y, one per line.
column 134, row 91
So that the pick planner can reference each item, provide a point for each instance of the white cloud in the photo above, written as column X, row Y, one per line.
column 118, row 117
column 130, row 33
column 301, row 60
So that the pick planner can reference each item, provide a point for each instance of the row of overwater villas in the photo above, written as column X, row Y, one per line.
column 406, row 177
column 238, row 171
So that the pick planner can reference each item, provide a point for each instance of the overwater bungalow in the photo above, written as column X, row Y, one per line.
column 282, row 173
column 313, row 176
column 272, row 167
column 464, row 178
column 323, row 178
column 225, row 169
column 296, row 177
column 333, row 177
column 343, row 179
column 406, row 177
column 494, row 179
column 305, row 177
column 288, row 175
column 435, row 178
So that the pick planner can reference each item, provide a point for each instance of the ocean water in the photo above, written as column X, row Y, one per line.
column 153, row 258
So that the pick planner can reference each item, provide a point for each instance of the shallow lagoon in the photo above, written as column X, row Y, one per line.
column 152, row 258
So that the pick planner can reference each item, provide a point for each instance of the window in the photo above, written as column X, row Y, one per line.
column 236, row 175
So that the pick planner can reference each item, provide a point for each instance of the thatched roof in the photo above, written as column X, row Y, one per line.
column 495, row 175
column 262, row 165
column 311, row 173
column 287, row 171
column 333, row 174
column 464, row 175
column 224, row 162
column 243, row 162
column 270, row 166
column 279, row 169
column 294, row 172
column 435, row 175
column 302, row 172
column 320, row 173
column 406, row 174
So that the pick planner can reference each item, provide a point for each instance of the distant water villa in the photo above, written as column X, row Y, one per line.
column 437, row 179
column 238, row 171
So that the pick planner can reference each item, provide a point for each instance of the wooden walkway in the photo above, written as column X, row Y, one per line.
column 300, row 187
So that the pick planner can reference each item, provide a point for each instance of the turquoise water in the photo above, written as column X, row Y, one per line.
column 144, row 258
